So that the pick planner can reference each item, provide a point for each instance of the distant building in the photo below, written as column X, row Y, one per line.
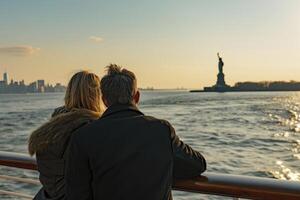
column 267, row 86
column 59, row 88
column 2, row 86
column 22, row 82
column 5, row 78
column 41, row 86
column 32, row 87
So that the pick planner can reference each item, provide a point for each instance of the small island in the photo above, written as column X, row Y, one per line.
column 248, row 86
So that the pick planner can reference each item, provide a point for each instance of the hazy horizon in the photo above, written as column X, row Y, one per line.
column 168, row 44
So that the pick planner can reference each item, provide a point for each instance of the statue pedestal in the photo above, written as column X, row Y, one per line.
column 221, row 84
column 221, row 80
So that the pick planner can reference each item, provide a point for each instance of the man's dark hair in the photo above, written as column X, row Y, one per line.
column 118, row 86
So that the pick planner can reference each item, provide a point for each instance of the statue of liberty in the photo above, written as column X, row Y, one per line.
column 221, row 64
column 221, row 77
column 220, row 85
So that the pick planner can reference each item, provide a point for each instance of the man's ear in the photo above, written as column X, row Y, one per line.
column 104, row 101
column 136, row 97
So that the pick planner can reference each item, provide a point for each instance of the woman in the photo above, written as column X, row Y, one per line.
column 50, row 141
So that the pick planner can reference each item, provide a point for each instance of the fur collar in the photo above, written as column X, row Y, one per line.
column 58, row 128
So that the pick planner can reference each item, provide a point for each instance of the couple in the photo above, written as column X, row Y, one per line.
column 84, row 154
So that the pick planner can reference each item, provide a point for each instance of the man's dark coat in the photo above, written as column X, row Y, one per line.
column 127, row 155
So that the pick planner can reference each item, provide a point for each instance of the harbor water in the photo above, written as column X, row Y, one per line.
column 255, row 134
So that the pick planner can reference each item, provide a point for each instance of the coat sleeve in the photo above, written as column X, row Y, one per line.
column 188, row 163
column 78, row 174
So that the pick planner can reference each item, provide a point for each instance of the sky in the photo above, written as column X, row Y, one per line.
column 167, row 43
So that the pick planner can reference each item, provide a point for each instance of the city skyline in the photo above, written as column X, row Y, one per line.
column 8, row 78
column 167, row 44
column 12, row 86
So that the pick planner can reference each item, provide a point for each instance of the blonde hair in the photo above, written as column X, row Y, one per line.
column 83, row 92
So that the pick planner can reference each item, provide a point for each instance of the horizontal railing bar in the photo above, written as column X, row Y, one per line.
column 23, row 180
column 17, row 160
column 24, row 196
column 240, row 187
column 208, row 183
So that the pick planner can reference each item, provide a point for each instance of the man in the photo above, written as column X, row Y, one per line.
column 125, row 154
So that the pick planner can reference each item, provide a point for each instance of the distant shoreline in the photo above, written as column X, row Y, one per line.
column 203, row 91
column 275, row 86
column 25, row 93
